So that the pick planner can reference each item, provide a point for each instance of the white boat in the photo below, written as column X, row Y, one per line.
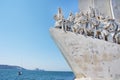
column 89, row 58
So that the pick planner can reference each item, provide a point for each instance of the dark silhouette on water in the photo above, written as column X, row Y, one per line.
column 19, row 73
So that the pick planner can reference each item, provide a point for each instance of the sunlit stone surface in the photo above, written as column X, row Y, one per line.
column 90, row 59
column 90, row 39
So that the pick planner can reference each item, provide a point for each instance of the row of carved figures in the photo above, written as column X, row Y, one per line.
column 92, row 23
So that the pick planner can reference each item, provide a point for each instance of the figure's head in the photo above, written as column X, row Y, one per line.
column 76, row 14
column 71, row 14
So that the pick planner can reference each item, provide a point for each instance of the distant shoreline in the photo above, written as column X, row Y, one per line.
column 11, row 67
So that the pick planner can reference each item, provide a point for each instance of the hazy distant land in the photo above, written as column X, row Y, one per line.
column 17, row 67
column 11, row 67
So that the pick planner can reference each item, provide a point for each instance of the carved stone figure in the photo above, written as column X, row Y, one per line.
column 59, row 19
column 67, row 25
column 77, row 16
column 117, row 38
column 58, row 23
column 92, row 23
column 92, row 12
column 71, row 17
column 76, row 27
column 70, row 21
column 83, row 23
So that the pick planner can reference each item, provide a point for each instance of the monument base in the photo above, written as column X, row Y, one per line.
column 89, row 58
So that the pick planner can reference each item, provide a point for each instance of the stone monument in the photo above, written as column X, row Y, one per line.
column 90, row 40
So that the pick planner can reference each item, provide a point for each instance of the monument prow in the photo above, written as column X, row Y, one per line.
column 90, row 40
column 89, row 59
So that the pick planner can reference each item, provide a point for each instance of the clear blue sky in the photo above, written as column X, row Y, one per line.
column 24, row 33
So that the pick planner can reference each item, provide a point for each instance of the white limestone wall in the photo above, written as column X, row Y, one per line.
column 104, row 6
column 116, row 9
column 90, row 59
column 108, row 7
column 85, row 4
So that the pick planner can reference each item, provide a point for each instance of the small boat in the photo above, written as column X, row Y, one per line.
column 19, row 72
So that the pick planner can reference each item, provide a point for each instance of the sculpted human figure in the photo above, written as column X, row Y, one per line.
column 97, row 13
column 80, row 23
column 102, row 24
column 76, row 25
column 92, row 12
column 88, row 28
column 60, row 14
column 76, row 28
column 71, row 17
column 94, row 27
column 117, row 37
column 105, row 26
column 59, row 18
column 112, row 25
column 77, row 16
column 70, row 21
column 92, row 23
column 112, row 28
column 83, row 23
column 118, row 26
column 117, row 33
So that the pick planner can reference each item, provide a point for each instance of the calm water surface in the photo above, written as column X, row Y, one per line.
column 35, row 75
